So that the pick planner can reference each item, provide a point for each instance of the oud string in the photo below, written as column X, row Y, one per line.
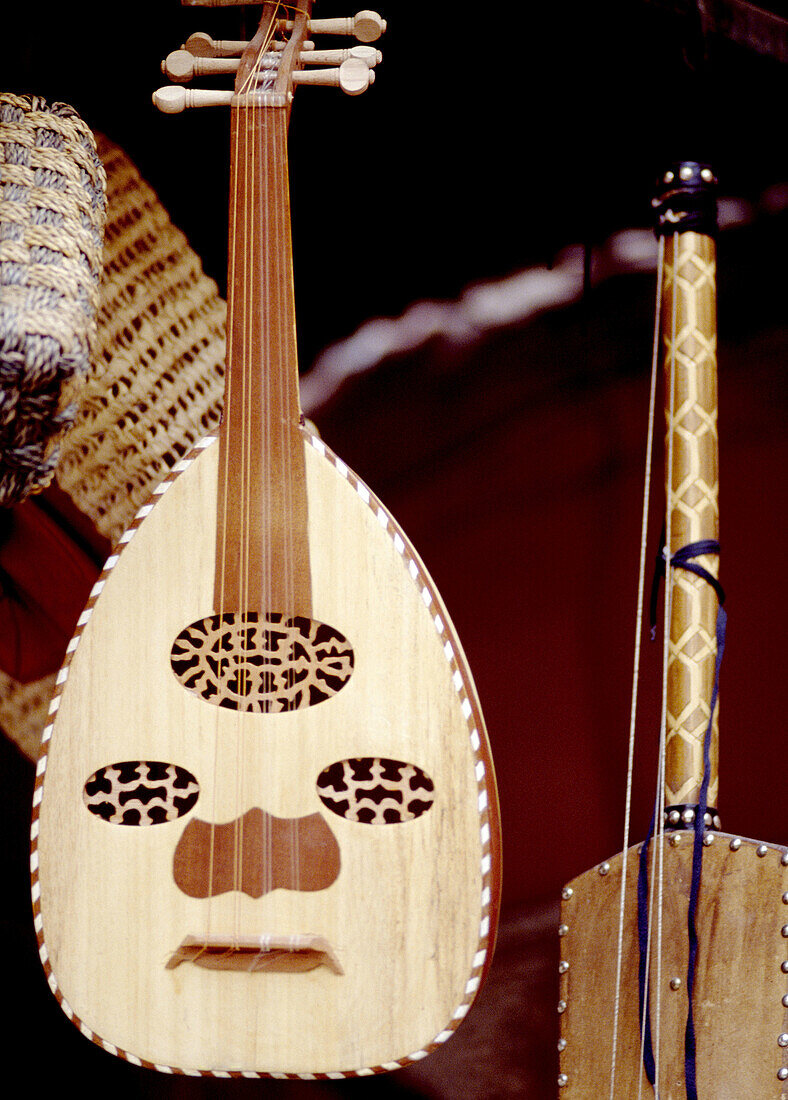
column 268, row 366
column 637, row 655
column 247, row 118
column 262, row 301
column 223, row 672
column 243, row 560
column 287, row 427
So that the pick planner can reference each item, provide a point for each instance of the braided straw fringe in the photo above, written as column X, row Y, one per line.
column 52, row 208
column 154, row 387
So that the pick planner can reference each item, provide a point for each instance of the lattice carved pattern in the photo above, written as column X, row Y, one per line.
column 689, row 345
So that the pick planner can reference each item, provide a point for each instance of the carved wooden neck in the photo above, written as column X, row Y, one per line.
column 262, row 558
column 689, row 345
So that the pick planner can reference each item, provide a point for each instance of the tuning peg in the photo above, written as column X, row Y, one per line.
column 353, row 76
column 200, row 44
column 366, row 26
column 368, row 54
column 174, row 99
column 182, row 65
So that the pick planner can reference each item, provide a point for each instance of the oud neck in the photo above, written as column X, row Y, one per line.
column 262, row 542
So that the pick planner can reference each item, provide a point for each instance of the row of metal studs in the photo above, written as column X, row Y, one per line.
column 762, row 850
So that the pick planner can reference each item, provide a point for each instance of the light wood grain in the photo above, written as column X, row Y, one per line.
column 411, row 915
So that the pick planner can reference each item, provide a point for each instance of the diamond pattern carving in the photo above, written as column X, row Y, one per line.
column 690, row 356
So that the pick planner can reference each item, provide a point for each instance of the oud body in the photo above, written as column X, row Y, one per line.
column 265, row 835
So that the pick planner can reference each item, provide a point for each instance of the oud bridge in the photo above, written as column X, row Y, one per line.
column 269, row 952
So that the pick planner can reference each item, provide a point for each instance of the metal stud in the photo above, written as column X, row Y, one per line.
column 735, row 844
column 707, row 175
column 563, row 929
column 669, row 177
column 785, row 899
column 707, row 819
column 674, row 817
column 784, row 931
column 782, row 1040
column 784, row 966
column 567, row 892
column 717, row 822
column 563, row 966
column 708, row 839
column 561, row 1044
column 686, row 172
column 561, row 1007
column 782, row 1074
column 562, row 1080
column 784, row 859
column 675, row 840
column 675, row 983
column 785, row 1001
column 761, row 850
column 604, row 868
column 688, row 817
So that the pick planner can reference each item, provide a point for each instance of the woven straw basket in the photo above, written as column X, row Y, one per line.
column 153, row 381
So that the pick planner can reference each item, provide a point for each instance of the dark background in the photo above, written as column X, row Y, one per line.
column 494, row 137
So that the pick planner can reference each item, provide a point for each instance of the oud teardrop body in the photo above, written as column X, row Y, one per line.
column 410, row 912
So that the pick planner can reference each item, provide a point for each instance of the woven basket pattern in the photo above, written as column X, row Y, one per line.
column 153, row 387
column 52, row 210
column 156, row 381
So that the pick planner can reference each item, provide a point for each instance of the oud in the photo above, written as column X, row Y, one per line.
column 265, row 835
column 674, row 953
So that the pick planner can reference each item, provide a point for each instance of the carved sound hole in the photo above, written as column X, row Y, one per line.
column 140, row 792
column 375, row 791
column 266, row 663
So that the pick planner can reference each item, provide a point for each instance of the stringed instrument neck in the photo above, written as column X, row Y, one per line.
column 686, row 220
column 262, row 559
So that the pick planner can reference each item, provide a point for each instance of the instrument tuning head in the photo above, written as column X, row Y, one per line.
column 200, row 44
column 355, row 76
column 179, row 66
column 366, row 26
column 685, row 198
column 174, row 99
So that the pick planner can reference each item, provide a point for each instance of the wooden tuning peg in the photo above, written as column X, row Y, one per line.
column 182, row 66
column 200, row 44
column 368, row 54
column 353, row 76
column 366, row 26
column 173, row 99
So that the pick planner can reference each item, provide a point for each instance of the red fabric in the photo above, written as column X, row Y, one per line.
column 46, row 575
column 516, row 468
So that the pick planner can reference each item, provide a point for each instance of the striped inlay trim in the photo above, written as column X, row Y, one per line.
column 471, row 713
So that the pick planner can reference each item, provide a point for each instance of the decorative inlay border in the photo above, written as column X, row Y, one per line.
column 483, row 765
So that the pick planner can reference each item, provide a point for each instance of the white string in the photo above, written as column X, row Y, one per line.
column 658, row 869
column 637, row 649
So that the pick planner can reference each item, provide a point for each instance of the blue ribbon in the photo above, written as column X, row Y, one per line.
column 683, row 559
